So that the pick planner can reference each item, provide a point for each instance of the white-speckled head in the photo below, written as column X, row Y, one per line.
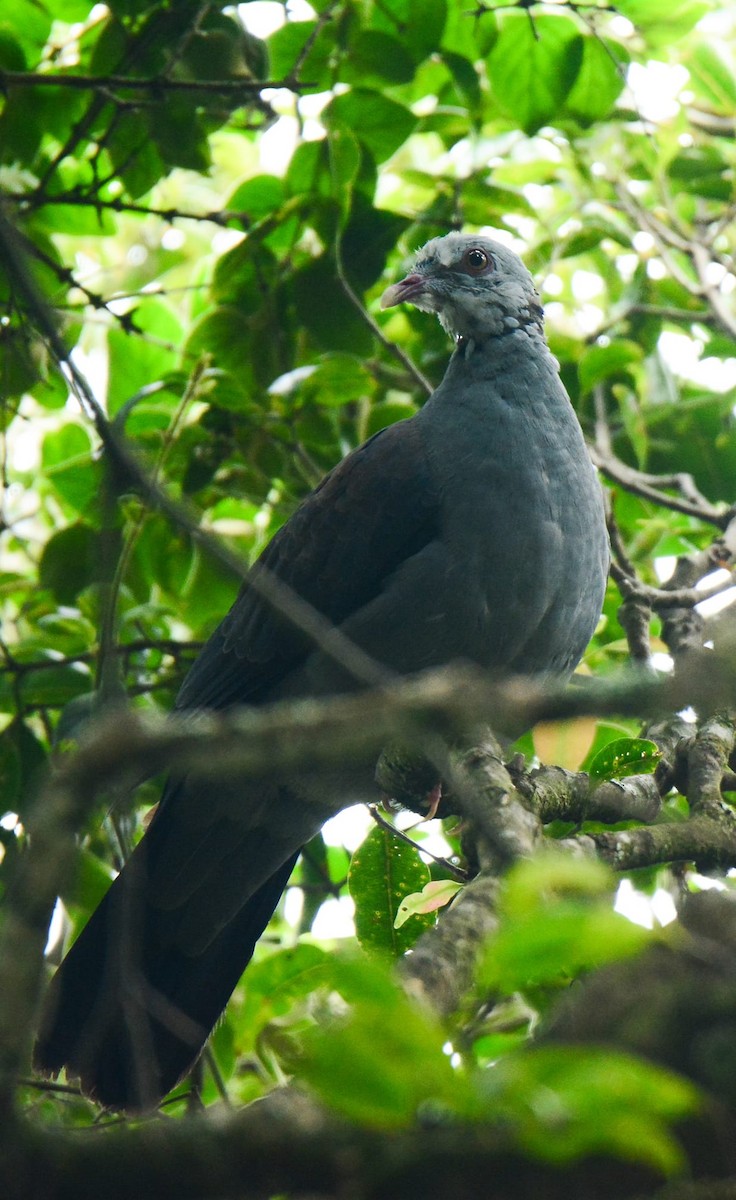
column 478, row 287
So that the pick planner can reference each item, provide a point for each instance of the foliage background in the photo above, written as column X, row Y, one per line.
column 199, row 216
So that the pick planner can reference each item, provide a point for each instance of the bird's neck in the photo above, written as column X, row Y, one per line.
column 527, row 320
column 518, row 351
column 506, row 391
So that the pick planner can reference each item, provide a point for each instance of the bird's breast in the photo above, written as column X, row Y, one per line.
column 523, row 523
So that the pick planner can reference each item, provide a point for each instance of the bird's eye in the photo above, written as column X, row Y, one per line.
column 476, row 260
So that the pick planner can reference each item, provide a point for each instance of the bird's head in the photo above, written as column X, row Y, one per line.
column 478, row 288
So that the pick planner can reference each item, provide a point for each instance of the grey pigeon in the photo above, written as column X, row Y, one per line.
column 474, row 530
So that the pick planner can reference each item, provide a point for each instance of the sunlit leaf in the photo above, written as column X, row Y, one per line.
column 600, row 80
column 533, row 66
column 663, row 21
column 627, row 756
column 376, row 120
column 434, row 895
column 713, row 75
column 384, row 870
column 137, row 362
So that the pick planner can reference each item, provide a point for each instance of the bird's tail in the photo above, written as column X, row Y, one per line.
column 129, row 1013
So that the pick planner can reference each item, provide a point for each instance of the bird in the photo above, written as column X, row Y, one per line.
column 472, row 531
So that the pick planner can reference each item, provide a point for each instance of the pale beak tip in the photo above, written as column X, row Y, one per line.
column 391, row 296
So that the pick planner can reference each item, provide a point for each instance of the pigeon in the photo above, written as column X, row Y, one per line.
column 473, row 531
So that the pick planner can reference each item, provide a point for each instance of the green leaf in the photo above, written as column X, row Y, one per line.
column 244, row 277
column 663, row 22
column 278, row 981
column 211, row 589
column 180, row 136
column 21, row 358
column 70, row 444
column 33, row 21
column 134, row 154
column 703, row 172
column 70, row 467
column 591, row 236
column 320, row 868
column 383, row 871
column 12, row 56
column 565, row 1103
column 224, row 333
column 337, row 380
column 532, row 67
column 344, row 152
column 375, row 57
column 369, row 236
column 164, row 556
column 70, row 562
column 712, row 76
column 386, row 413
column 378, row 122
column 469, row 38
column 68, row 10
column 290, row 973
column 23, row 759
column 599, row 82
column 323, row 309
column 286, row 47
column 696, row 435
column 480, row 198
column 530, row 885
column 605, row 362
column 625, row 756
column 558, row 943
column 609, row 731
column 137, row 361
column 632, row 419
column 55, row 686
column 418, row 24
column 465, row 77
column 258, row 197
column 92, row 878
column 76, row 220
column 341, row 1061
column 75, row 717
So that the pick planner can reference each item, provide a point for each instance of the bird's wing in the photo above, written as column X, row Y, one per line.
column 375, row 510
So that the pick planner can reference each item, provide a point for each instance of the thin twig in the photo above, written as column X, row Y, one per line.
column 168, row 646
column 77, row 199
column 375, row 329
column 403, row 836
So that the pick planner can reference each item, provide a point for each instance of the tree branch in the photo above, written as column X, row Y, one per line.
column 641, row 484
column 709, row 843
column 559, row 795
column 288, row 1146
column 309, row 735
column 158, row 85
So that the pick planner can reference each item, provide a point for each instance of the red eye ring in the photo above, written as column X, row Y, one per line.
column 476, row 260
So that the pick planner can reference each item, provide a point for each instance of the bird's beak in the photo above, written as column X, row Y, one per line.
column 406, row 289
